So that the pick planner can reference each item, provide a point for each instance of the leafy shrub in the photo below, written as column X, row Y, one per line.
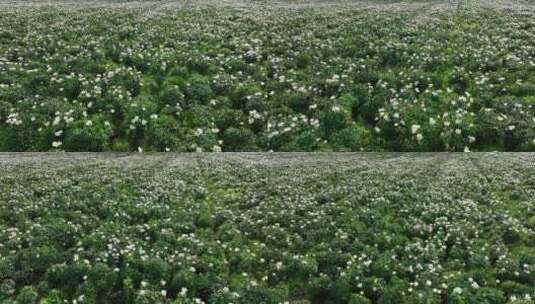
column 353, row 138
column 359, row 299
column 7, row 288
column 260, row 294
column 65, row 277
column 165, row 133
column 40, row 258
column 298, row 102
column 514, row 288
column 173, row 98
column 238, row 139
column 488, row 295
column 102, row 277
column 323, row 288
column 120, row 146
column 459, row 81
column 88, row 135
column 305, row 142
column 198, row 90
column 332, row 121
column 27, row 295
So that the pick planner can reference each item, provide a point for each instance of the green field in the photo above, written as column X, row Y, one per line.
column 396, row 77
column 267, row 75
column 267, row 228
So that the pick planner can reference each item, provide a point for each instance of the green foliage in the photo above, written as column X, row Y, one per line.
column 102, row 277
column 165, row 133
column 315, row 229
column 271, row 80
column 239, row 139
column 359, row 299
column 332, row 121
column 90, row 135
column 27, row 295
column 353, row 138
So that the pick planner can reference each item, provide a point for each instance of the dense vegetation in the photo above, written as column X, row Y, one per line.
column 268, row 229
column 341, row 77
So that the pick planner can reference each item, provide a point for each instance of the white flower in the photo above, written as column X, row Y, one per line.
column 432, row 121
column 216, row 148
column 415, row 128
column 475, row 285
column 88, row 123
column 457, row 290
column 139, row 149
column 419, row 137
column 511, row 127
column 336, row 109
column 56, row 144
column 58, row 133
column 466, row 149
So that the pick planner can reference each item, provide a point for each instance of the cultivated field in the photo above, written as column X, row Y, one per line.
column 267, row 75
column 267, row 228
column 258, row 76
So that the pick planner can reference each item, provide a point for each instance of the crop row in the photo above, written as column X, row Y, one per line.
column 266, row 78
column 270, row 229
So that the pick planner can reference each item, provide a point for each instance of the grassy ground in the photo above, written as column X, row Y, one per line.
column 267, row 228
